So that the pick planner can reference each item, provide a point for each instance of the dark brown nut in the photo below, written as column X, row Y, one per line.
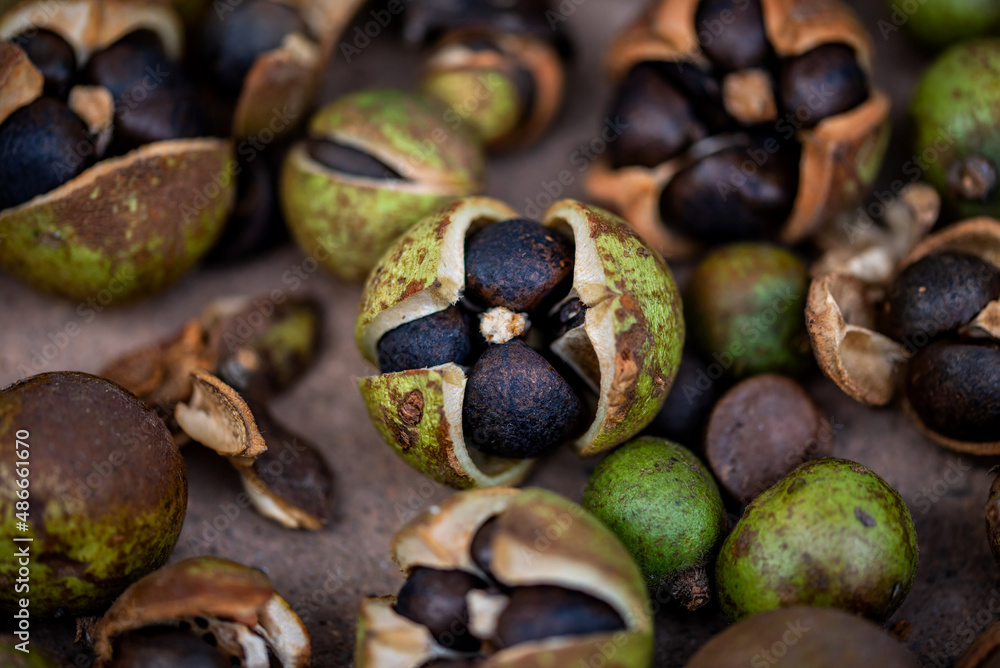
column 255, row 227
column 759, row 431
column 92, row 536
column 792, row 75
column 436, row 599
column 54, row 58
column 516, row 404
column 661, row 121
column 692, row 396
column 954, row 388
column 166, row 646
column 230, row 606
column 44, row 145
column 516, row 264
column 434, row 339
column 536, row 613
column 742, row 41
column 539, row 604
column 937, row 294
column 347, row 160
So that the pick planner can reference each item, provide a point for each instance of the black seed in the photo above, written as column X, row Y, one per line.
column 210, row 639
column 164, row 647
column 255, row 226
column 821, row 83
column 232, row 42
column 174, row 113
column 659, row 122
column 536, row 613
column 573, row 314
column 450, row 663
column 955, row 389
column 54, row 58
column 688, row 405
column 729, row 196
column 704, row 92
column 201, row 622
column 347, row 160
column 481, row 549
column 732, row 33
column 516, row 263
column 436, row 599
column 44, row 145
column 122, row 66
column 937, row 294
column 516, row 404
column 434, row 339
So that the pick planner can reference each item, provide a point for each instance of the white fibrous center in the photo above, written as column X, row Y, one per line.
column 500, row 324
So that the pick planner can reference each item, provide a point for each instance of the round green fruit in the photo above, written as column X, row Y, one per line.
column 956, row 113
column 663, row 504
column 106, row 491
column 745, row 306
column 830, row 534
column 938, row 23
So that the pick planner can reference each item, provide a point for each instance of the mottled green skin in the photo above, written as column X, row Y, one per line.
column 485, row 99
column 829, row 534
column 129, row 233
column 938, row 23
column 347, row 223
column 957, row 102
column 663, row 504
column 108, row 491
column 14, row 658
column 745, row 308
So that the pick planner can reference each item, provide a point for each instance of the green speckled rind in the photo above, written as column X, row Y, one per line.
column 745, row 308
column 348, row 226
column 407, row 131
column 127, row 227
column 829, row 534
column 938, row 23
column 663, row 504
column 639, row 298
column 108, row 491
column 494, row 115
column 957, row 102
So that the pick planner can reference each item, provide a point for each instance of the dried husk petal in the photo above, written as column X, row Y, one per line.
column 217, row 417
column 632, row 324
column 20, row 80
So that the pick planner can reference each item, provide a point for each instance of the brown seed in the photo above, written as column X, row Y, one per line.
column 482, row 545
column 759, row 431
column 54, row 58
column 731, row 33
column 821, row 83
column 348, row 160
column 434, row 339
column 436, row 599
column 536, row 613
column 686, row 409
column 165, row 647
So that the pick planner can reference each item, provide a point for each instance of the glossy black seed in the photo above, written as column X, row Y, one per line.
column 688, row 405
column 821, row 83
column 704, row 92
column 659, row 122
column 730, row 196
column 955, row 389
column 481, row 549
column 163, row 114
column 43, row 144
column 347, row 160
column 731, row 33
column 54, row 58
column 937, row 294
column 516, row 263
column 165, row 647
column 516, row 404
column 122, row 67
column 436, row 599
column 255, row 226
column 434, row 339
column 535, row 613
column 233, row 41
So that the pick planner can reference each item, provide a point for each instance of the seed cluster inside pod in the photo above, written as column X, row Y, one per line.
column 519, row 401
column 125, row 95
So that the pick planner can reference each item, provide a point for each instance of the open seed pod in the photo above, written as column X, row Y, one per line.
column 122, row 227
column 285, row 477
column 231, row 606
column 375, row 163
column 515, row 578
column 267, row 56
column 607, row 313
column 740, row 121
column 940, row 349
column 499, row 68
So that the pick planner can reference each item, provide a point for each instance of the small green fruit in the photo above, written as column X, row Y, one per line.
column 938, row 23
column 663, row 504
column 830, row 534
column 344, row 214
column 955, row 112
column 745, row 308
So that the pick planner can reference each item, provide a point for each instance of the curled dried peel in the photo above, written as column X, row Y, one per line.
column 217, row 416
column 986, row 448
column 862, row 362
column 633, row 328
column 20, row 80
column 976, row 236
column 579, row 553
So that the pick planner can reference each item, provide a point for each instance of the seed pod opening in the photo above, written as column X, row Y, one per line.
column 595, row 368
